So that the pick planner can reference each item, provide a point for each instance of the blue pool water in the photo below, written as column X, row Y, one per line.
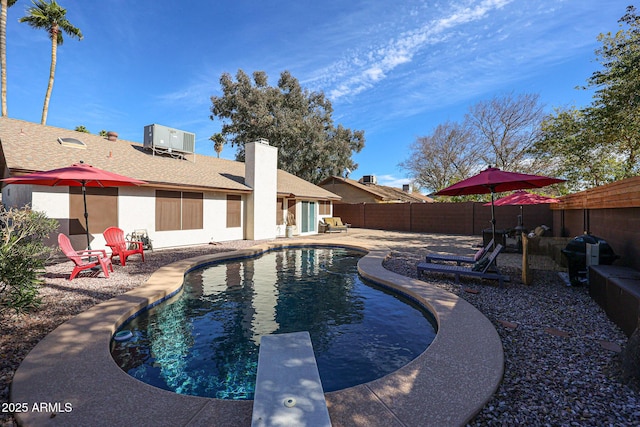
column 205, row 342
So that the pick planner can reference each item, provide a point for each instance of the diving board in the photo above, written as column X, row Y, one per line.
column 288, row 388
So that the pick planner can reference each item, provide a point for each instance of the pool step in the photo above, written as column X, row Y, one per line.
column 288, row 388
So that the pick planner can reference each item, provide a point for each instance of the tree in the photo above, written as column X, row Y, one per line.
column 600, row 143
column 218, row 142
column 507, row 127
column 5, row 4
column 295, row 120
column 616, row 107
column 570, row 148
column 442, row 158
column 498, row 132
column 51, row 17
column 81, row 129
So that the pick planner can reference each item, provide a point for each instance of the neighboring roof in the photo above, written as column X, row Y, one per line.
column 30, row 147
column 380, row 192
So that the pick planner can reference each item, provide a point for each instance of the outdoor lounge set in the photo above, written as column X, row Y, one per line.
column 334, row 224
column 88, row 259
column 461, row 259
column 484, row 268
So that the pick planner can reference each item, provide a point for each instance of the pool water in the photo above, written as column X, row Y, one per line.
column 205, row 342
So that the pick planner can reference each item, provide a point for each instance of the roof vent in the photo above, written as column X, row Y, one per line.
column 405, row 188
column 72, row 142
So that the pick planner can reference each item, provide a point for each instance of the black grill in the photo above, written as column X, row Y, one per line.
column 576, row 254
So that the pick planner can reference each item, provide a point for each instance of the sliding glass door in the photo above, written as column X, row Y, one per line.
column 309, row 218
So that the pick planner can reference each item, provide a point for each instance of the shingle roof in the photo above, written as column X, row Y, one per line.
column 382, row 192
column 30, row 147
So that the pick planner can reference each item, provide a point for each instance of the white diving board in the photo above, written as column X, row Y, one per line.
column 288, row 388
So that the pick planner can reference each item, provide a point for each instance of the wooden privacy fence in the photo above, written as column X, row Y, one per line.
column 466, row 218
column 610, row 211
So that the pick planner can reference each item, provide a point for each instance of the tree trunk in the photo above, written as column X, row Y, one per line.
column 52, row 72
column 3, row 54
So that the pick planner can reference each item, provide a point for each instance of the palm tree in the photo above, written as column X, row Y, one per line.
column 50, row 16
column 218, row 142
column 6, row 4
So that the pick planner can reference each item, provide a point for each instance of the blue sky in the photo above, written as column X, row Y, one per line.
column 395, row 69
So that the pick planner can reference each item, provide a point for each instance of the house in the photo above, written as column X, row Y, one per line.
column 188, row 199
column 367, row 190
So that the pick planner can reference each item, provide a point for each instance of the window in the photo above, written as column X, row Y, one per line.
column 167, row 210
column 192, row 211
column 176, row 210
column 102, row 207
column 291, row 210
column 234, row 211
column 72, row 142
column 279, row 208
column 324, row 208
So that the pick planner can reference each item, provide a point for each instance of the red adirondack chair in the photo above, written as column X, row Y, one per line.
column 120, row 247
column 84, row 260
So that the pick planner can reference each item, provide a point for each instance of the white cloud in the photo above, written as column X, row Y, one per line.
column 365, row 68
column 392, row 180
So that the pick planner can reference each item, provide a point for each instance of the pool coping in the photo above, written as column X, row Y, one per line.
column 69, row 378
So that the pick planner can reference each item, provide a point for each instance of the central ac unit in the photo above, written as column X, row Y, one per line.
column 369, row 179
column 165, row 139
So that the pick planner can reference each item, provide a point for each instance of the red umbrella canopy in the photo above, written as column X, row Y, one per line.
column 521, row 197
column 494, row 180
column 76, row 175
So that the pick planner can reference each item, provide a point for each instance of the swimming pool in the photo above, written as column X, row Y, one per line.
column 205, row 342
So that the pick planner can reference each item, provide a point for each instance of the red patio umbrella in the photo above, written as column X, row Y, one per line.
column 76, row 175
column 521, row 198
column 494, row 180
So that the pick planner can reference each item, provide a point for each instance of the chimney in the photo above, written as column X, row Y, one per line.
column 261, row 174
column 405, row 188
column 112, row 136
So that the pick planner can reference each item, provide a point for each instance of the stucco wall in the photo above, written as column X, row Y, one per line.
column 136, row 210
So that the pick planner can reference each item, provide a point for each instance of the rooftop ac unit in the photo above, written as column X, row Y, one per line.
column 163, row 139
column 369, row 179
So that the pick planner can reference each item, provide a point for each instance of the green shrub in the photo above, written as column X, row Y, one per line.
column 22, row 257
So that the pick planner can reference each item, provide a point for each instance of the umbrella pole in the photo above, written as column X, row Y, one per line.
column 493, row 219
column 86, row 214
column 521, row 217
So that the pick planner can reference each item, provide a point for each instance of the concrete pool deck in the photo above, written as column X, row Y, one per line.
column 71, row 379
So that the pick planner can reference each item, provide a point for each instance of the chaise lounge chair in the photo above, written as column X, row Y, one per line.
column 480, row 269
column 84, row 260
column 335, row 224
column 458, row 259
column 120, row 247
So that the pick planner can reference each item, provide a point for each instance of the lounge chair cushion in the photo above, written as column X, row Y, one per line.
column 479, row 254
column 335, row 224
column 481, row 263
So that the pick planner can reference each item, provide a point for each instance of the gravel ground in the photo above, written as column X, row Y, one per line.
column 558, row 370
